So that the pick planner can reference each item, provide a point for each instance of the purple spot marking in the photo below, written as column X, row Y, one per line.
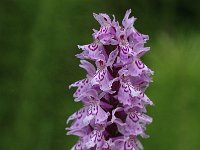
column 134, row 116
column 125, row 50
column 139, row 64
column 93, row 46
column 128, row 146
column 101, row 75
column 103, row 30
column 92, row 110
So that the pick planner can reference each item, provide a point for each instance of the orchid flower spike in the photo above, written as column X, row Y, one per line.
column 113, row 93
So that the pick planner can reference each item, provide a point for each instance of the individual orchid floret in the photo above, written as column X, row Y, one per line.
column 113, row 115
column 106, row 33
column 91, row 112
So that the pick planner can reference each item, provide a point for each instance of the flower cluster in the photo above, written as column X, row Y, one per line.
column 112, row 93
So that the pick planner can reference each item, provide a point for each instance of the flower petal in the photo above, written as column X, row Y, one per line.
column 103, row 19
column 83, row 86
column 91, row 51
column 101, row 78
column 88, row 67
column 128, row 22
column 95, row 138
column 127, row 92
column 112, row 57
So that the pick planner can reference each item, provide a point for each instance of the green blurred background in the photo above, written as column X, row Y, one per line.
column 38, row 41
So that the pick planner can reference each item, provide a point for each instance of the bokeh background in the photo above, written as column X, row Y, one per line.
column 38, row 41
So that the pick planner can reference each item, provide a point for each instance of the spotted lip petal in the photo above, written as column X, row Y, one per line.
column 113, row 93
column 125, row 52
column 127, row 92
column 95, row 138
column 101, row 78
column 91, row 51
column 85, row 115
